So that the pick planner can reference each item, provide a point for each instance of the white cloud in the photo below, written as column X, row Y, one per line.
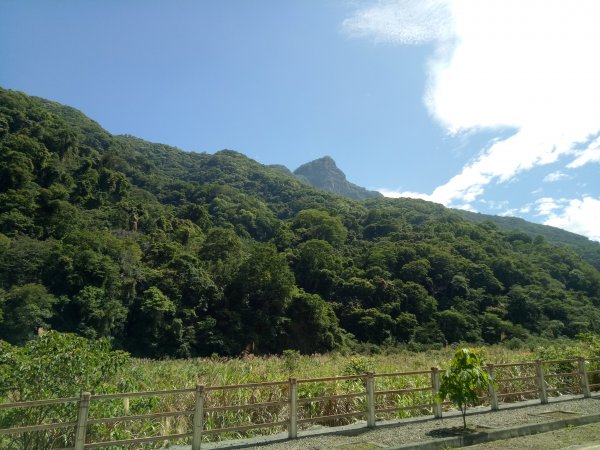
column 546, row 206
column 528, row 65
column 555, row 176
column 576, row 215
column 526, row 209
column 509, row 212
column 402, row 21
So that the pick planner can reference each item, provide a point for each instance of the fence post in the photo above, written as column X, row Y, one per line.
column 293, row 394
column 585, row 384
column 370, row 400
column 492, row 388
column 198, row 419
column 82, row 417
column 539, row 370
column 435, row 391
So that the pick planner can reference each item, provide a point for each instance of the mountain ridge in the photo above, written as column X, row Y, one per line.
column 323, row 173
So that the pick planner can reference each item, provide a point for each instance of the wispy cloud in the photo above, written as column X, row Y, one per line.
column 555, row 176
column 402, row 21
column 525, row 209
column 492, row 204
column 529, row 66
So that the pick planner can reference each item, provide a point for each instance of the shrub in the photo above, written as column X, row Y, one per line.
column 50, row 366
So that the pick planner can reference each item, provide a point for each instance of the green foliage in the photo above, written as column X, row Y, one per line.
column 53, row 365
column 258, row 296
column 291, row 360
column 317, row 267
column 458, row 327
column 464, row 380
column 315, row 224
column 24, row 309
column 313, row 326
column 358, row 365
column 58, row 365
column 589, row 250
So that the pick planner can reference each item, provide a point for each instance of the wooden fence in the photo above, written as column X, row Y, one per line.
column 536, row 380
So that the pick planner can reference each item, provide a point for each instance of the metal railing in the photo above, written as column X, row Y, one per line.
column 294, row 400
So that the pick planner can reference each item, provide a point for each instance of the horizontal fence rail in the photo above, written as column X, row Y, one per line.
column 297, row 403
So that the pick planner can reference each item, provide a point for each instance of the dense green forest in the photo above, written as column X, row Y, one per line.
column 170, row 253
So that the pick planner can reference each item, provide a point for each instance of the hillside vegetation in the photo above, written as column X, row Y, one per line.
column 169, row 253
column 588, row 250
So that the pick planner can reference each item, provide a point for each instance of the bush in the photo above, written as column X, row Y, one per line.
column 50, row 366
column 359, row 365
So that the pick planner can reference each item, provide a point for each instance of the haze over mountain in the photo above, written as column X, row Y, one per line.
column 171, row 253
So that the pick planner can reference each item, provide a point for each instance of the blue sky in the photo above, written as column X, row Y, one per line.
column 490, row 106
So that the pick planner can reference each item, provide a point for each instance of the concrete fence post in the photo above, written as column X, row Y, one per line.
column 82, row 417
column 492, row 388
column 435, row 392
column 585, row 383
column 370, row 400
column 293, row 408
column 198, row 419
column 539, row 370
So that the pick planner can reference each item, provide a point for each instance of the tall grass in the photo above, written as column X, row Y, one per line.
column 217, row 371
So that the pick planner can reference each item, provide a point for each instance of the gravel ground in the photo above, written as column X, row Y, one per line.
column 391, row 434
column 567, row 438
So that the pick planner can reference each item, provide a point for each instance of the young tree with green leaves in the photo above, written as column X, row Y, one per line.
column 464, row 380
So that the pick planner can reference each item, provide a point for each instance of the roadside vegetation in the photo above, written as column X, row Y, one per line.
column 60, row 365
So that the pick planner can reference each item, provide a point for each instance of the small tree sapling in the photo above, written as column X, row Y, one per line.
column 463, row 380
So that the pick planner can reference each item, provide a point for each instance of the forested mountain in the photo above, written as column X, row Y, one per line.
column 182, row 254
column 323, row 173
column 588, row 250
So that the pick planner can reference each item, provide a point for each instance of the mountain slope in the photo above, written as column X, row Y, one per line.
column 587, row 249
column 171, row 253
